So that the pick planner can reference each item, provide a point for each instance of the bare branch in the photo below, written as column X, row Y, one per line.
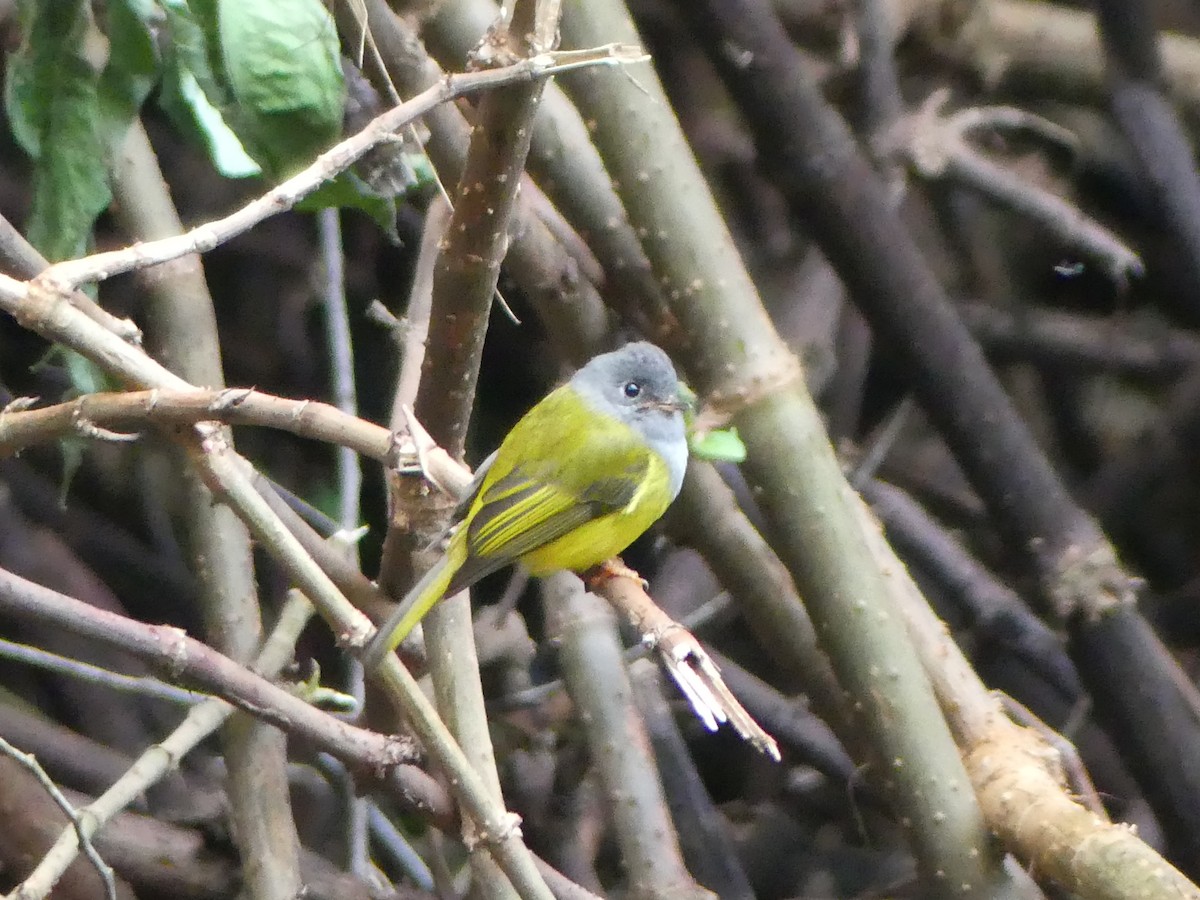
column 100, row 266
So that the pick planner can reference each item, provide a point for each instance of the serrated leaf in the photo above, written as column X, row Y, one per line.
column 722, row 445
column 282, row 65
column 348, row 191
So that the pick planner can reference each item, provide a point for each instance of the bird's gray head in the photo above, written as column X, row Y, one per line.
column 638, row 385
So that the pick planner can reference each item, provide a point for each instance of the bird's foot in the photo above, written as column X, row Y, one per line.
column 613, row 568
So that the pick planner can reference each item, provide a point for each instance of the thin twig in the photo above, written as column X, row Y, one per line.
column 498, row 829
column 100, row 266
column 42, row 309
column 1154, row 131
column 23, row 260
column 566, row 165
column 341, row 358
column 988, row 605
column 349, row 482
column 343, row 571
column 878, row 84
column 465, row 275
column 551, row 280
column 1016, row 775
column 707, row 517
column 394, row 844
column 709, row 847
column 117, row 681
column 685, row 659
column 77, row 821
column 416, row 315
column 1080, row 781
column 236, row 406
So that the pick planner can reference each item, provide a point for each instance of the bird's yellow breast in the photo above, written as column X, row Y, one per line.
column 593, row 542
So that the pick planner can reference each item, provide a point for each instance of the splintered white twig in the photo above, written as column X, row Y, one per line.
column 688, row 662
column 699, row 678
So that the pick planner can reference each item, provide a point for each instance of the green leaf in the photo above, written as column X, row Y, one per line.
column 70, row 98
column 348, row 191
column 86, row 377
column 192, row 112
column 193, row 93
column 282, row 65
column 188, row 51
column 133, row 65
column 52, row 102
column 722, row 445
column 714, row 445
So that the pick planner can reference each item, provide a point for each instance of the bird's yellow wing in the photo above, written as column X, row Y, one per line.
column 527, row 509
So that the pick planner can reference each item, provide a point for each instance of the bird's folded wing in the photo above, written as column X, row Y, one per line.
column 522, row 512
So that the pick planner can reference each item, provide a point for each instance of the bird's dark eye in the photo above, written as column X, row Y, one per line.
column 632, row 389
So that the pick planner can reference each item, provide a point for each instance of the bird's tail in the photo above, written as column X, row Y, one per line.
column 416, row 603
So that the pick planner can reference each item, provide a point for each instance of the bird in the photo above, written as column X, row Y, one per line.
column 581, row 475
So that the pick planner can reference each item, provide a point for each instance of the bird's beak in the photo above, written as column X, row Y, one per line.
column 679, row 404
